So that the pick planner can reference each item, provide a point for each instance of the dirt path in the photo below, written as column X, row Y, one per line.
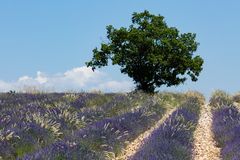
column 134, row 146
column 204, row 144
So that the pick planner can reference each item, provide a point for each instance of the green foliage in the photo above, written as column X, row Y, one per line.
column 23, row 149
column 150, row 52
column 101, row 99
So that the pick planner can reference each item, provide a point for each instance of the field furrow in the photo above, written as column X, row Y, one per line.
column 134, row 146
column 173, row 139
column 204, row 144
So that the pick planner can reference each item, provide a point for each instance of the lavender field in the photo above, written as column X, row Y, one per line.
column 76, row 126
column 100, row 126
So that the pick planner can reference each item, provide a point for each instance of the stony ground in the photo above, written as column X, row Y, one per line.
column 204, row 144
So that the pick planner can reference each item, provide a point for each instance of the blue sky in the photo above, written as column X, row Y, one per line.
column 51, row 39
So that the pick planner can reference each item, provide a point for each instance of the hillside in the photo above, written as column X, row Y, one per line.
column 135, row 126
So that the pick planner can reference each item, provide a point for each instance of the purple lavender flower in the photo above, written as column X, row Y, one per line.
column 226, row 128
column 172, row 140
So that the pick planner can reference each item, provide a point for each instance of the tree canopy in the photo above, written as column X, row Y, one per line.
column 150, row 52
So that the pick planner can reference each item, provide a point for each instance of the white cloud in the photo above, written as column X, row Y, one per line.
column 24, row 79
column 115, row 86
column 82, row 75
column 76, row 79
column 4, row 87
column 41, row 77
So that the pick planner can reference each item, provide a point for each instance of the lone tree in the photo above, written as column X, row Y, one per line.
column 150, row 52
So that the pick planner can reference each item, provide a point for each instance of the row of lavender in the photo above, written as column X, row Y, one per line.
column 174, row 139
column 226, row 124
column 76, row 126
